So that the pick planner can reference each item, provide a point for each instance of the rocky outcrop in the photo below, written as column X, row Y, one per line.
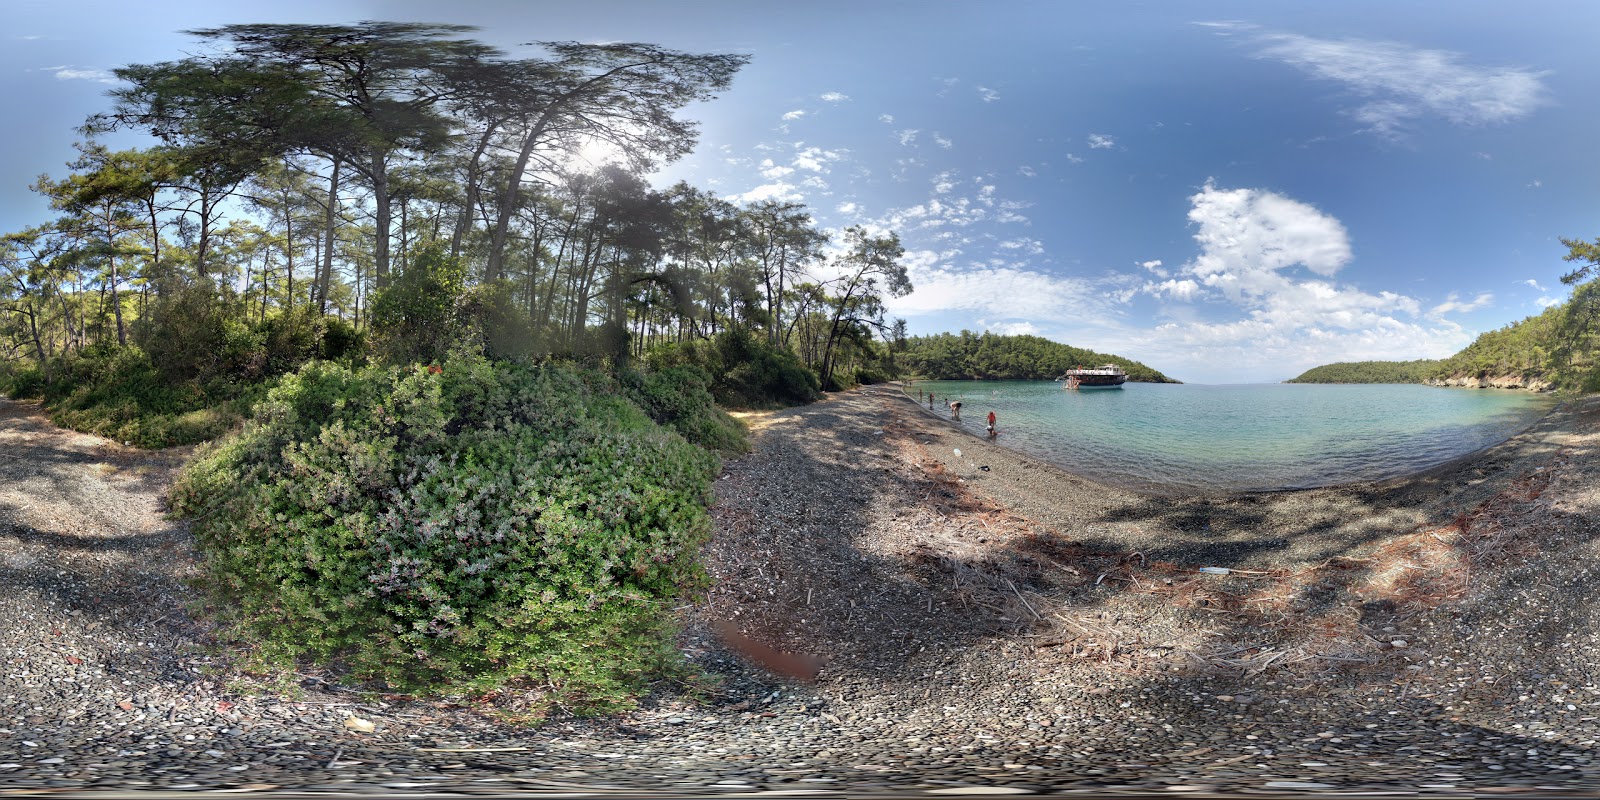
column 1494, row 382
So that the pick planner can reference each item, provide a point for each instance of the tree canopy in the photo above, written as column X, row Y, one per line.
column 989, row 356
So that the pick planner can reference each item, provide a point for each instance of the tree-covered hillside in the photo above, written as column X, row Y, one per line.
column 1371, row 372
column 990, row 356
column 1560, row 346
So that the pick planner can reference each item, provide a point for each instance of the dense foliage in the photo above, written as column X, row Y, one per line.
column 743, row 371
column 405, row 177
column 990, row 356
column 189, row 378
column 1371, row 372
column 454, row 526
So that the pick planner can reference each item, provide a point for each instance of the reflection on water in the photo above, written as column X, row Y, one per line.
column 1255, row 437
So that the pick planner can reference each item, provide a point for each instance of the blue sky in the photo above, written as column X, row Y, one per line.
column 1227, row 191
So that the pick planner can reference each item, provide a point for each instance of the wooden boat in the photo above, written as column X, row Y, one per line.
column 1105, row 376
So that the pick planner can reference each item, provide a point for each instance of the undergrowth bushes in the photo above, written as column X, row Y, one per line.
column 455, row 527
column 744, row 371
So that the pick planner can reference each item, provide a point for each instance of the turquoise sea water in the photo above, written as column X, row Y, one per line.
column 1243, row 437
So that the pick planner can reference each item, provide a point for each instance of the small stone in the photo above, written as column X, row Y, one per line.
column 1399, row 643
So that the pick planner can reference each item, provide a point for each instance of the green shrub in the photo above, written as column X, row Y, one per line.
column 745, row 371
column 454, row 528
column 415, row 317
column 680, row 398
column 19, row 381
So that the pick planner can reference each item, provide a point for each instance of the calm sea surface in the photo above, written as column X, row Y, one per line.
column 1257, row 436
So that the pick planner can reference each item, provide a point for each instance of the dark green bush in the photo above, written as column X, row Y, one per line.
column 415, row 317
column 454, row 528
column 21, row 381
column 680, row 398
column 745, row 371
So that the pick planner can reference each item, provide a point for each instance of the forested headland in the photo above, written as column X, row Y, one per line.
column 990, row 356
column 1371, row 372
column 1559, row 347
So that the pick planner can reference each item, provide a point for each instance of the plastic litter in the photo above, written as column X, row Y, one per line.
column 958, row 452
column 1216, row 570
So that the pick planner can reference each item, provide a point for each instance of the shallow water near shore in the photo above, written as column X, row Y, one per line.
column 1249, row 437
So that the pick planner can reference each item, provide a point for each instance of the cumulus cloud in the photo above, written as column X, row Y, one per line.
column 1155, row 267
column 1184, row 290
column 1272, row 260
column 774, row 171
column 1099, row 141
column 794, row 115
column 987, row 95
column 887, row 119
column 780, row 191
column 815, row 159
column 942, row 142
column 1535, row 284
column 1402, row 83
column 834, row 97
column 847, row 208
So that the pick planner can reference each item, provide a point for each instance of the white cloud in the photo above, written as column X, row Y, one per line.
column 987, row 95
column 1099, row 141
column 1452, row 304
column 1248, row 233
column 1184, row 290
column 942, row 142
column 815, row 159
column 67, row 73
column 847, row 208
column 1535, row 284
column 1155, row 267
column 1032, row 247
column 907, row 136
column 1023, row 328
column 1072, row 159
column 1535, row 184
column 781, row 191
column 1027, row 171
column 1403, row 83
column 1003, row 291
column 773, row 171
column 1254, row 245
column 887, row 119
column 794, row 115
column 1547, row 301
column 834, row 97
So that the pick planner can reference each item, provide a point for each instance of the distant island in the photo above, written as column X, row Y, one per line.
column 990, row 356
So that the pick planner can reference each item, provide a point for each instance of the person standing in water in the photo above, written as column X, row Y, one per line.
column 991, row 425
column 955, row 409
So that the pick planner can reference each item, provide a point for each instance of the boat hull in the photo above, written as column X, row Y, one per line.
column 1101, row 383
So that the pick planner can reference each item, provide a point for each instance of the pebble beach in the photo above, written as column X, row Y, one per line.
column 985, row 623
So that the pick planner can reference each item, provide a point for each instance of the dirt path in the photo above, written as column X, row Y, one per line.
column 1007, row 626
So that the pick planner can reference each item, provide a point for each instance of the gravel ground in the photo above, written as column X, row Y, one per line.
column 987, row 622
